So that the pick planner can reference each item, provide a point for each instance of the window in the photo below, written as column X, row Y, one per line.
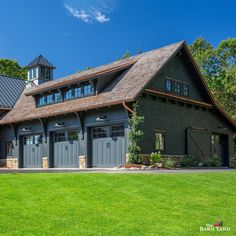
column 168, row 85
column 32, row 139
column 42, row 72
column 99, row 132
column 159, row 140
column 58, row 97
column 78, row 91
column 50, row 98
column 69, row 94
column 88, row 89
column 48, row 74
column 34, row 73
column 9, row 148
column 215, row 139
column 117, row 131
column 185, row 89
column 42, row 101
column 60, row 137
column 72, row 135
column 177, row 87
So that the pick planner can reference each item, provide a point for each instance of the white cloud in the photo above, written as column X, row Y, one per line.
column 88, row 16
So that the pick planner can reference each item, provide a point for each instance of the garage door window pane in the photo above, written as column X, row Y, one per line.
column 28, row 140
column 117, row 131
column 60, row 137
column 72, row 136
column 99, row 132
column 37, row 139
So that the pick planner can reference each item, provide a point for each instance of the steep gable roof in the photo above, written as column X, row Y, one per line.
column 10, row 90
column 136, row 73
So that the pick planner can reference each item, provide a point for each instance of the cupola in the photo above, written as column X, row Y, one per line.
column 40, row 70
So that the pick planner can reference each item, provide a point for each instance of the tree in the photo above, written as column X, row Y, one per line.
column 12, row 68
column 218, row 66
column 134, row 135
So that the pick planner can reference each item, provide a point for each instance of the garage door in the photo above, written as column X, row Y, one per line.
column 66, row 149
column 32, row 151
column 108, row 146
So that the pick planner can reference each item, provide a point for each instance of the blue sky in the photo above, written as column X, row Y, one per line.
column 74, row 34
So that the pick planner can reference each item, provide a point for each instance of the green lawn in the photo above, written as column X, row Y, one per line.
column 116, row 204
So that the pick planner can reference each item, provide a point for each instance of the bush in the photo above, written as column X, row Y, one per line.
column 189, row 161
column 156, row 157
column 213, row 162
column 169, row 163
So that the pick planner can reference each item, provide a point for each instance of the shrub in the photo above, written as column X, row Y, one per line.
column 156, row 157
column 213, row 162
column 189, row 161
column 134, row 135
column 169, row 163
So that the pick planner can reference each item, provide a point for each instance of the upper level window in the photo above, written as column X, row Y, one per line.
column 50, row 98
column 69, row 94
column 42, row 101
column 34, row 72
column 168, row 85
column 85, row 89
column 58, row 97
column 88, row 89
column 159, row 140
column 42, row 72
column 177, row 87
column 215, row 139
column 185, row 90
column 48, row 74
column 78, row 91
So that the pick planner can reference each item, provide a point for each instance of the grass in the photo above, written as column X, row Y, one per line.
column 116, row 204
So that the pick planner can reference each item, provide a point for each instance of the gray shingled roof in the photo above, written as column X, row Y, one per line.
column 40, row 61
column 10, row 90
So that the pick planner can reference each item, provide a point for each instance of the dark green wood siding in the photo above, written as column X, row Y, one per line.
column 179, row 69
column 175, row 119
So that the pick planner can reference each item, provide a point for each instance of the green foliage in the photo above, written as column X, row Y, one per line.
column 127, row 54
column 212, row 162
column 12, row 68
column 168, row 163
column 156, row 157
column 189, row 161
column 218, row 66
column 134, row 135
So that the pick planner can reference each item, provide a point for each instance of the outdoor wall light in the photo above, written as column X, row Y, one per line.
column 101, row 118
column 26, row 129
column 59, row 124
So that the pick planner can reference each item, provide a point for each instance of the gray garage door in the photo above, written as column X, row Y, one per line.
column 108, row 146
column 66, row 149
column 32, row 151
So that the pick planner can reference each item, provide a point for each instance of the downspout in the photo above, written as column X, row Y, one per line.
column 127, row 108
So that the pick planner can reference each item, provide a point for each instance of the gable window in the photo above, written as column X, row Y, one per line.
column 9, row 148
column 177, row 87
column 159, row 140
column 88, row 89
column 168, row 85
column 185, row 90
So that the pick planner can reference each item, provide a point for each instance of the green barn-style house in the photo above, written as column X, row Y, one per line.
column 82, row 120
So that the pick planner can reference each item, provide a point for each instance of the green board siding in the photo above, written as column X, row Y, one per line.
column 174, row 119
column 178, row 69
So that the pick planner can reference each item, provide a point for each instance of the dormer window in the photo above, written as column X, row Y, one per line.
column 69, row 94
column 78, row 91
column 88, row 89
column 168, row 85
